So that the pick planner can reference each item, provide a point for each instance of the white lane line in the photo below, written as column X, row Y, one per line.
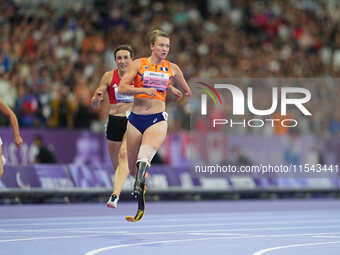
column 96, row 235
column 145, row 225
column 167, row 232
column 99, row 232
column 45, row 238
column 116, row 219
column 325, row 236
column 96, row 251
column 255, row 215
column 261, row 252
column 228, row 236
column 266, row 235
column 221, row 230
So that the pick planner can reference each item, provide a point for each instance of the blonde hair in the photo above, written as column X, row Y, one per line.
column 155, row 33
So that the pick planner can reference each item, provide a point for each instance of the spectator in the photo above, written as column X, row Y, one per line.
column 235, row 38
column 44, row 154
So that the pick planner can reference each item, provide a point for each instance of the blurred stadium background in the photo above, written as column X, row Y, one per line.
column 53, row 54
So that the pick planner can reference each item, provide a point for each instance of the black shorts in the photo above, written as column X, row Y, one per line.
column 115, row 128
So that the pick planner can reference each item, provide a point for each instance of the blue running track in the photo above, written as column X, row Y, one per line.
column 280, row 227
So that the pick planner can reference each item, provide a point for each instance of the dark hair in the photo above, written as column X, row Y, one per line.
column 39, row 138
column 155, row 33
column 124, row 47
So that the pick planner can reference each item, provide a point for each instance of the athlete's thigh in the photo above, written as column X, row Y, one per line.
column 133, row 142
column 155, row 134
column 113, row 148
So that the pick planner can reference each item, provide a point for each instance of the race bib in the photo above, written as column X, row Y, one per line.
column 156, row 80
column 120, row 98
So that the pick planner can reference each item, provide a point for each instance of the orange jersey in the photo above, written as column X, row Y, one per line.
column 154, row 76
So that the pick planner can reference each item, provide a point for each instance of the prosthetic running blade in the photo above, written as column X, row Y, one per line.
column 141, row 207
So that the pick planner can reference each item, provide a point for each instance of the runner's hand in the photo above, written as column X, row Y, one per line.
column 188, row 93
column 177, row 92
column 18, row 141
column 150, row 91
column 97, row 98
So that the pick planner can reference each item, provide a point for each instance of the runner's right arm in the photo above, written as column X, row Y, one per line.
column 98, row 96
column 126, row 88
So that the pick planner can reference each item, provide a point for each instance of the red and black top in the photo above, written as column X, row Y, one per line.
column 114, row 96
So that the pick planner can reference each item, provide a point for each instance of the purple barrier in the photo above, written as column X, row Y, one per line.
column 64, row 177
column 82, row 147
column 216, row 147
column 53, row 176
column 91, row 176
column 331, row 147
column 87, row 165
column 70, row 146
column 23, row 177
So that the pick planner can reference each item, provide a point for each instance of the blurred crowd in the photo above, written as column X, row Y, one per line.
column 51, row 61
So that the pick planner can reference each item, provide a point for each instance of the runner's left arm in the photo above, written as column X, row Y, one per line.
column 179, row 79
column 14, row 122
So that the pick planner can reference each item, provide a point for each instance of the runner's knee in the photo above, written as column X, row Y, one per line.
column 146, row 153
column 122, row 155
